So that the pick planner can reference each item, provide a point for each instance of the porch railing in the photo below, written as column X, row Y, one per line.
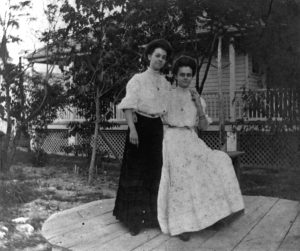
column 68, row 114
column 256, row 105
column 271, row 103
column 250, row 105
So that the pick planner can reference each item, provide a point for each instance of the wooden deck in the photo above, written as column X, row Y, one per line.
column 267, row 224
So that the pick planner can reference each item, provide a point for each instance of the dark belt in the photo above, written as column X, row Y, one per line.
column 154, row 116
column 180, row 127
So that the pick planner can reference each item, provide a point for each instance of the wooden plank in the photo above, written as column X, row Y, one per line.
column 251, row 201
column 227, row 237
column 128, row 242
column 175, row 244
column 76, row 212
column 88, row 225
column 100, row 204
column 269, row 232
column 153, row 243
column 197, row 238
column 201, row 237
column 94, row 240
column 268, row 223
column 69, row 219
column 291, row 241
column 95, row 230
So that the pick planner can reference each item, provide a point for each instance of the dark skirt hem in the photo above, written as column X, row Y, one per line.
column 136, row 201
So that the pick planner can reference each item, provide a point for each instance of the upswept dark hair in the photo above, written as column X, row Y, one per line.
column 184, row 61
column 158, row 43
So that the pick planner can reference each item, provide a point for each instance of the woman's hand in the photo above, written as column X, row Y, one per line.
column 131, row 119
column 196, row 99
column 133, row 137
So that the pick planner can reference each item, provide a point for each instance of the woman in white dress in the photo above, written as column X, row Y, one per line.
column 198, row 185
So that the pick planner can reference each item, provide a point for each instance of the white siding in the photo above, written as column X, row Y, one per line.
column 254, row 79
column 211, row 83
column 240, row 71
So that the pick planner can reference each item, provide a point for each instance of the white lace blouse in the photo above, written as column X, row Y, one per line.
column 147, row 92
column 182, row 111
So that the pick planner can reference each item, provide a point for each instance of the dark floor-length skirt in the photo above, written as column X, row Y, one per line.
column 136, row 201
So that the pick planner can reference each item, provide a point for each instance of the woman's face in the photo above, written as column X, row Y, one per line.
column 184, row 76
column 157, row 59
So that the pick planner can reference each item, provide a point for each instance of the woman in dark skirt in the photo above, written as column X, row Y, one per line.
column 144, row 104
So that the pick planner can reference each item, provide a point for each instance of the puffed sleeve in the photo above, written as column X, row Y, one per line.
column 130, row 101
column 203, row 103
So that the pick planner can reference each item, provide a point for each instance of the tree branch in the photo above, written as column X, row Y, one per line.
column 270, row 9
column 211, row 51
column 36, row 112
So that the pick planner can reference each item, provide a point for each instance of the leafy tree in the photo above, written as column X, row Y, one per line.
column 25, row 100
column 10, row 72
column 103, row 57
column 274, row 41
column 260, row 28
column 103, row 40
column 269, row 30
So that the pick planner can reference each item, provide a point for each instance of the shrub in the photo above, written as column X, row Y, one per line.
column 13, row 192
column 39, row 158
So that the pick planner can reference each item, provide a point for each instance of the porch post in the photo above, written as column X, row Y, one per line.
column 222, row 138
column 232, row 82
column 247, row 71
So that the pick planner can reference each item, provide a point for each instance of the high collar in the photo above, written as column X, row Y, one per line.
column 153, row 72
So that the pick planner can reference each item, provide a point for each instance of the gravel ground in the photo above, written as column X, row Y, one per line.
column 31, row 194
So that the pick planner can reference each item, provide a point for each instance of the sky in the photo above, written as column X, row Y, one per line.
column 29, row 31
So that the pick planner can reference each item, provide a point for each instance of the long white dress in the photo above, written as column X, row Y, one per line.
column 198, row 185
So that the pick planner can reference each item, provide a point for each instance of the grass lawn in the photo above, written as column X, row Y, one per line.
column 283, row 183
column 38, row 192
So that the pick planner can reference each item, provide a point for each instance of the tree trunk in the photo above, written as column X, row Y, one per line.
column 7, row 138
column 96, row 132
column 211, row 53
column 12, row 147
column 3, row 166
column 199, row 66
column 5, row 151
column 1, row 152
